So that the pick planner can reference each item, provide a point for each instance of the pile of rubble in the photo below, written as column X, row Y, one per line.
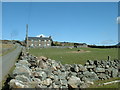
column 42, row 72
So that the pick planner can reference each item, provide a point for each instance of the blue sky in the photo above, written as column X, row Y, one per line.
column 86, row 22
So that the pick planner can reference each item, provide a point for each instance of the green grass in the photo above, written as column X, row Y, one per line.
column 8, row 48
column 114, row 85
column 66, row 57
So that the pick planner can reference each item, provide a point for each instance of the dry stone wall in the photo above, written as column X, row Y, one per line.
column 42, row 72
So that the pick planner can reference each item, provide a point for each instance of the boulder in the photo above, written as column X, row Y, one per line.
column 36, row 80
column 41, row 75
column 67, row 67
column 46, row 82
column 72, row 74
column 82, row 68
column 102, row 76
column 22, row 70
column 87, row 63
column 74, row 82
column 83, row 85
column 114, row 72
column 76, row 68
column 24, row 62
column 41, row 64
column 62, row 69
column 42, row 58
column 17, row 84
column 90, row 62
column 90, row 66
column 90, row 76
column 55, row 86
column 99, row 70
column 97, row 62
column 56, row 78
column 22, row 78
column 64, row 82
column 58, row 82
column 62, row 75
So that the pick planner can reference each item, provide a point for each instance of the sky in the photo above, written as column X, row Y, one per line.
column 83, row 22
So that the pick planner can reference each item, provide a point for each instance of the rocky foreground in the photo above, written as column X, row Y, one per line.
column 41, row 72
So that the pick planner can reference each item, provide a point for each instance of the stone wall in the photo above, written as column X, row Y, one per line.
column 34, row 72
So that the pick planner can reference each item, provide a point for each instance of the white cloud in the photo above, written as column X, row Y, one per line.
column 118, row 19
column 41, row 35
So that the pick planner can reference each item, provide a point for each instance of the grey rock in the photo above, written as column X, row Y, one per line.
column 114, row 72
column 82, row 68
column 84, row 85
column 103, row 62
column 74, row 82
column 87, row 63
column 36, row 80
column 46, row 82
column 90, row 62
column 90, row 75
column 90, row 67
column 62, row 69
column 44, row 87
column 87, row 80
column 22, row 70
column 56, row 78
column 62, row 75
column 55, row 86
column 107, row 66
column 41, row 64
column 97, row 62
column 102, row 76
column 17, row 84
column 72, row 74
column 24, row 62
column 99, row 70
column 76, row 68
column 55, row 72
column 67, row 67
column 57, row 82
column 22, row 78
column 64, row 82
column 64, row 87
column 41, row 75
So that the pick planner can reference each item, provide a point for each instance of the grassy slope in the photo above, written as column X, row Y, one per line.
column 78, row 58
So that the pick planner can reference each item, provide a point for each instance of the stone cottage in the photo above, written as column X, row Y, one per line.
column 39, row 41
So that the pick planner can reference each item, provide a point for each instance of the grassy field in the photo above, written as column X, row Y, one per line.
column 71, row 56
column 6, row 48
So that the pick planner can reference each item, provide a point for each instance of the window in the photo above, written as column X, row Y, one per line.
column 31, row 44
column 48, row 44
column 45, row 40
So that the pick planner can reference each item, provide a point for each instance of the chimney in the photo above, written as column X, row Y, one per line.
column 49, row 36
column 41, row 36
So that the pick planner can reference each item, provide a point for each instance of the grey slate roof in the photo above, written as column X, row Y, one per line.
column 40, row 38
